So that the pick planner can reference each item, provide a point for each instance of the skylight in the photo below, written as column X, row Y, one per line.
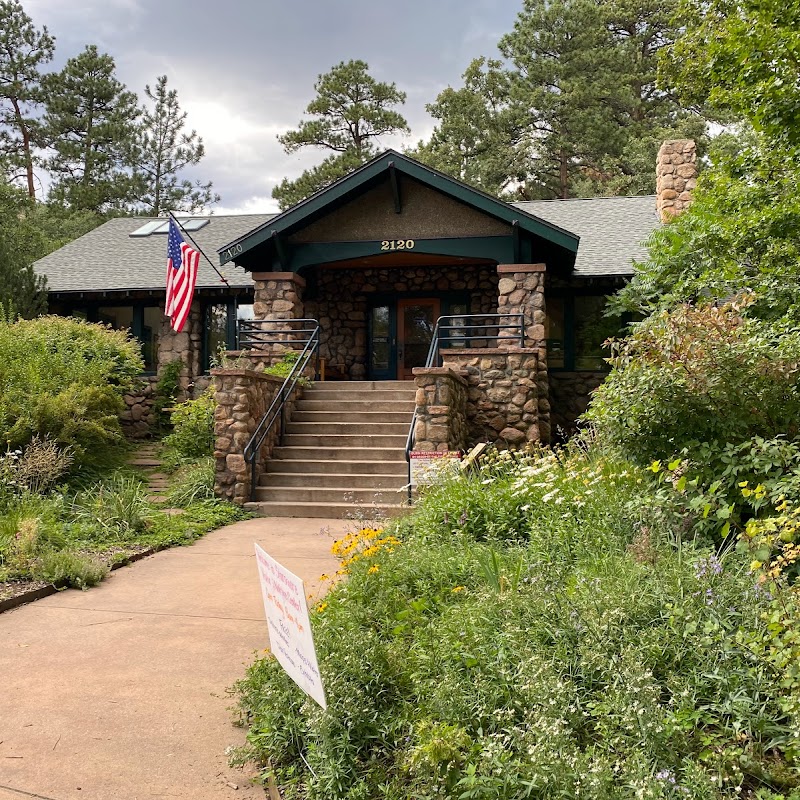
column 162, row 226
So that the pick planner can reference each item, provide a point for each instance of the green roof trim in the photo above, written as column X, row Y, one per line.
column 313, row 207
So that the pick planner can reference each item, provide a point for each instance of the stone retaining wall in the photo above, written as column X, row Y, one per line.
column 502, row 395
column 570, row 393
column 138, row 418
column 441, row 400
column 243, row 397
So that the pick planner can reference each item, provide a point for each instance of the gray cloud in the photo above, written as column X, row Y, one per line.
column 244, row 70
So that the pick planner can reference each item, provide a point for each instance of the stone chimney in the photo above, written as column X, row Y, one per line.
column 676, row 177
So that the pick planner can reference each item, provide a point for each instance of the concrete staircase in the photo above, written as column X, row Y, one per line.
column 343, row 453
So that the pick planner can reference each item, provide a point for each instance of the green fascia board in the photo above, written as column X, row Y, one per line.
column 499, row 248
column 311, row 208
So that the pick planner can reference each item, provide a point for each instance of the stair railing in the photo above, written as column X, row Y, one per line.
column 458, row 331
column 308, row 336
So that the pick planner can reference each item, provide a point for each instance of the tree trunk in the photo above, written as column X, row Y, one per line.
column 26, row 148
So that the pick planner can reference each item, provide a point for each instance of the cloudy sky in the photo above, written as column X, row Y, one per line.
column 245, row 70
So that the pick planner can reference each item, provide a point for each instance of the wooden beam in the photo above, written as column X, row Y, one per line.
column 398, row 203
column 515, row 237
column 281, row 251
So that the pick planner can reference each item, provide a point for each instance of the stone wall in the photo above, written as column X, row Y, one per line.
column 570, row 393
column 441, row 405
column 138, row 418
column 186, row 346
column 341, row 301
column 502, row 394
column 521, row 291
column 676, row 177
column 243, row 397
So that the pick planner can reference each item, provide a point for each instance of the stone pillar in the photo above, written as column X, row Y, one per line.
column 441, row 410
column 502, row 402
column 185, row 346
column 676, row 177
column 278, row 295
column 521, row 291
column 242, row 397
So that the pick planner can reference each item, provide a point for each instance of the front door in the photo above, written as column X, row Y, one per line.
column 416, row 319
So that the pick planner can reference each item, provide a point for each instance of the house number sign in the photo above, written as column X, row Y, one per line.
column 397, row 244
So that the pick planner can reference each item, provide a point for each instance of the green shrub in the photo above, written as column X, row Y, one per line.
column 63, row 379
column 193, row 430
column 167, row 388
column 192, row 482
column 66, row 568
column 699, row 375
column 284, row 367
column 116, row 509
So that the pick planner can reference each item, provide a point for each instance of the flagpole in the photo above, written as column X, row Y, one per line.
column 199, row 249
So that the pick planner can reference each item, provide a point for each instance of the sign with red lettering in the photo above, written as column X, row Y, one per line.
column 290, row 636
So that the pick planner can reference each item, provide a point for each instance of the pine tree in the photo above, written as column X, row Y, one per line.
column 162, row 150
column 23, row 49
column 21, row 243
column 351, row 110
column 90, row 124
column 475, row 138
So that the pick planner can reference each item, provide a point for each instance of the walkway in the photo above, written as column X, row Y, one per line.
column 120, row 692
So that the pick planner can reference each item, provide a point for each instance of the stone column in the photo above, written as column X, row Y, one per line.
column 676, row 177
column 441, row 401
column 278, row 295
column 521, row 291
column 185, row 346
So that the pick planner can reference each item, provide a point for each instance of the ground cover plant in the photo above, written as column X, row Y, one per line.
column 564, row 648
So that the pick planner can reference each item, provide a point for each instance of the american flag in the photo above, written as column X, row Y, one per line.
column 182, row 263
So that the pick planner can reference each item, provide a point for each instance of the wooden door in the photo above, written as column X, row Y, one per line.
column 416, row 319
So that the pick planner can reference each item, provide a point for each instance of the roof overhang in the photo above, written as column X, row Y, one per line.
column 272, row 235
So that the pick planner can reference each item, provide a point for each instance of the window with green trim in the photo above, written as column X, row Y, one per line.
column 577, row 327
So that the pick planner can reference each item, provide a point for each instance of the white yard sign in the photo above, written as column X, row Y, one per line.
column 290, row 636
column 429, row 466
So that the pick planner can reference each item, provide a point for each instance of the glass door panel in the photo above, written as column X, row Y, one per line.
column 381, row 343
column 415, row 322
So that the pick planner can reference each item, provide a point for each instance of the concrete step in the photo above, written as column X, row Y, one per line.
column 348, row 395
column 349, row 428
column 347, row 407
column 397, row 441
column 328, row 480
column 346, row 415
column 378, row 469
column 343, row 386
column 307, row 453
column 327, row 510
column 314, row 494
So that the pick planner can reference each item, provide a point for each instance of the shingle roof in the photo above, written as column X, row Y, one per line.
column 109, row 259
column 613, row 230
column 612, row 233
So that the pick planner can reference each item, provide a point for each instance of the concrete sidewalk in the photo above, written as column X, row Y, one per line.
column 120, row 692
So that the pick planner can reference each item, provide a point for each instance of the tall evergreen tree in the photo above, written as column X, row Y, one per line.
column 351, row 110
column 21, row 243
column 575, row 110
column 90, row 125
column 475, row 139
column 23, row 49
column 162, row 150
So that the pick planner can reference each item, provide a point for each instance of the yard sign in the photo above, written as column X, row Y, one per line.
column 289, row 625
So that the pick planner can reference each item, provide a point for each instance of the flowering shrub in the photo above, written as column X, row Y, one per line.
column 363, row 544
column 581, row 654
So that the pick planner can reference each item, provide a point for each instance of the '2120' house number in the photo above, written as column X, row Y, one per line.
column 397, row 244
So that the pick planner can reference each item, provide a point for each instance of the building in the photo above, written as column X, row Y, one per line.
column 376, row 259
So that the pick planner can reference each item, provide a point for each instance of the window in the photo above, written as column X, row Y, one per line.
column 219, row 330
column 576, row 328
column 144, row 322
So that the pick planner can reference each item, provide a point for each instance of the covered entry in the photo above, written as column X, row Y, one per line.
column 378, row 256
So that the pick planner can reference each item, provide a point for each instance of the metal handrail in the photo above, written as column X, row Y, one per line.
column 256, row 334
column 277, row 409
column 434, row 351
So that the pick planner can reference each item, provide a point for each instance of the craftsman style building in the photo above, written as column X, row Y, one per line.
column 377, row 258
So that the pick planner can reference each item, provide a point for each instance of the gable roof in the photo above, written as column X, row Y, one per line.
column 356, row 182
column 110, row 259
column 613, row 230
